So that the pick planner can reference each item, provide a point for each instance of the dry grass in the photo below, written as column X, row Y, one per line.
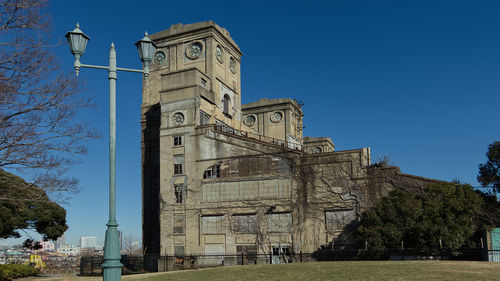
column 359, row 270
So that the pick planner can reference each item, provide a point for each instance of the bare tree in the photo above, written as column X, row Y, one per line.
column 131, row 245
column 40, row 132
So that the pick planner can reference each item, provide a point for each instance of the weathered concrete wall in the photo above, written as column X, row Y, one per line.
column 150, row 142
column 219, row 177
column 381, row 180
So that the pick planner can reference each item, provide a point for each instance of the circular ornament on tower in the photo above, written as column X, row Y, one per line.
column 159, row 57
column 232, row 65
column 317, row 149
column 249, row 120
column 276, row 117
column 178, row 119
column 193, row 51
column 218, row 53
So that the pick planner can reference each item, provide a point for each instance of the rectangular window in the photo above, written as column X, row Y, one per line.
column 335, row 221
column 281, row 222
column 179, row 254
column 180, row 193
column 249, row 253
column 204, row 118
column 245, row 223
column 229, row 191
column 177, row 140
column 178, row 164
column 179, row 223
column 213, row 224
column 226, row 100
column 204, row 83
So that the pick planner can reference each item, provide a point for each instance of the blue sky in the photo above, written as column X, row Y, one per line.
column 415, row 80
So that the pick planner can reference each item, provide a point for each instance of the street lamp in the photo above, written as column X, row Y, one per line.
column 77, row 42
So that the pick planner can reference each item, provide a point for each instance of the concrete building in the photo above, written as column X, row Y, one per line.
column 47, row 246
column 88, row 242
column 219, row 177
column 61, row 241
column 69, row 250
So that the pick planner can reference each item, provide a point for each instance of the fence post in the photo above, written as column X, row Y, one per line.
column 270, row 257
column 81, row 266
column 242, row 259
column 300, row 253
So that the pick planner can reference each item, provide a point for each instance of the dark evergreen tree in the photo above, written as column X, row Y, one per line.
column 36, row 211
column 489, row 172
column 444, row 214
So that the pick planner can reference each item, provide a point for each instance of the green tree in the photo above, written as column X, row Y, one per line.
column 37, row 213
column 443, row 212
column 489, row 172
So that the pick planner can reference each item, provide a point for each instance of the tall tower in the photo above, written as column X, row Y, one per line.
column 194, row 81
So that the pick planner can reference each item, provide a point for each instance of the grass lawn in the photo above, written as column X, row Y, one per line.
column 358, row 270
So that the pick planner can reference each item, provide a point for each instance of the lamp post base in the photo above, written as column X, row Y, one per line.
column 112, row 268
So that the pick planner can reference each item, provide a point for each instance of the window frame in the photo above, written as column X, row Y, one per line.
column 178, row 167
column 216, row 230
column 180, row 193
column 277, row 227
column 212, row 172
column 250, row 225
column 226, row 104
column 175, row 228
column 178, row 141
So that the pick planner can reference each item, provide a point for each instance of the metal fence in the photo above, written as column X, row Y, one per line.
column 91, row 266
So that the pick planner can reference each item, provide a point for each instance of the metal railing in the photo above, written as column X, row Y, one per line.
column 159, row 263
column 282, row 143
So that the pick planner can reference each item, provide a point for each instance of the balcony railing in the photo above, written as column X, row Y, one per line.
column 277, row 142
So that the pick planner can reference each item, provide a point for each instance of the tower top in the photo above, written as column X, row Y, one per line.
column 179, row 29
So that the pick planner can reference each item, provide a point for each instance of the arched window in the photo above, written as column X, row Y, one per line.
column 212, row 172
column 226, row 102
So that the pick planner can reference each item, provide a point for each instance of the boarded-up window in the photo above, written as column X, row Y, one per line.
column 336, row 220
column 179, row 254
column 178, row 223
column 249, row 253
column 229, row 191
column 178, row 164
column 204, row 118
column 214, row 254
column 211, row 192
column 245, row 223
column 246, row 190
column 213, row 224
column 226, row 102
column 281, row 222
column 269, row 189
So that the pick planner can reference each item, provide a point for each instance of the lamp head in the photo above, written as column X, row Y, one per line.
column 77, row 41
column 146, row 48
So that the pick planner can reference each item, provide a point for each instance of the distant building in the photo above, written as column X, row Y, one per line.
column 69, row 250
column 60, row 241
column 48, row 246
column 88, row 242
